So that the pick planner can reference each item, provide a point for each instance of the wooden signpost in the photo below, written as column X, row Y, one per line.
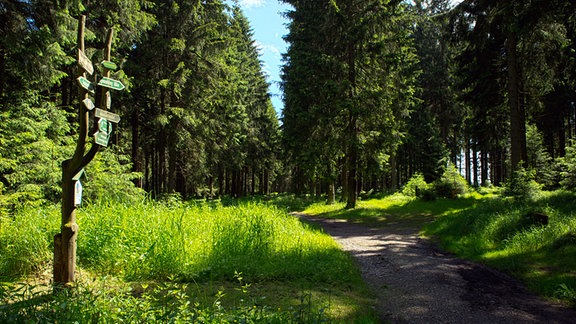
column 73, row 168
column 107, row 115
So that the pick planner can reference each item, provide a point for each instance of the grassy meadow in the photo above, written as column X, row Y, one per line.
column 212, row 262
column 249, row 261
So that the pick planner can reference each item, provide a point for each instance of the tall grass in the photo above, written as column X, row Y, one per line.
column 179, row 250
column 198, row 242
column 26, row 240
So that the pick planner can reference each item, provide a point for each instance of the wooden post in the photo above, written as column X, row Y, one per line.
column 65, row 241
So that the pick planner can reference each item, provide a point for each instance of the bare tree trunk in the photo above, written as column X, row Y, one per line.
column 468, row 162
column 331, row 194
column 517, row 111
column 475, row 164
column 393, row 173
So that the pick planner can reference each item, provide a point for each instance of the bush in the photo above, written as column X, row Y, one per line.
column 568, row 165
column 451, row 184
column 415, row 186
column 521, row 185
column 109, row 179
column 539, row 159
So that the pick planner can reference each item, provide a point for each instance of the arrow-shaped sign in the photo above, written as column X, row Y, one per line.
column 111, row 83
column 107, row 115
column 86, row 84
column 109, row 65
column 102, row 136
column 85, row 62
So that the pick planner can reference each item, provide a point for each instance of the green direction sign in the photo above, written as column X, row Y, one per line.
column 102, row 136
column 86, row 84
column 111, row 83
column 109, row 65
column 85, row 62
column 79, row 175
column 101, row 139
column 107, row 115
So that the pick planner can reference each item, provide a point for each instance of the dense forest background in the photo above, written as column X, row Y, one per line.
column 375, row 92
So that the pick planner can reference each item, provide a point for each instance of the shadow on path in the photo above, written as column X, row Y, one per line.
column 417, row 283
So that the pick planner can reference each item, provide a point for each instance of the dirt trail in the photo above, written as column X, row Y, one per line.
column 416, row 283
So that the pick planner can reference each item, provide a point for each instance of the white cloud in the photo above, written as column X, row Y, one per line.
column 267, row 48
column 252, row 3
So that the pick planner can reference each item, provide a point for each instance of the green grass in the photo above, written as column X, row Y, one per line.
column 396, row 209
column 131, row 258
column 488, row 229
column 498, row 233
column 177, row 261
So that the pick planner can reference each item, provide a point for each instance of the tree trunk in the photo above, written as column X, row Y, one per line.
column 136, row 163
column 171, row 181
column 253, row 182
column 468, row 163
column 65, row 241
column 484, row 165
column 352, row 166
column 517, row 113
column 393, row 173
column 211, row 187
column 475, row 164
column 331, row 194
column 267, row 181
column 221, row 180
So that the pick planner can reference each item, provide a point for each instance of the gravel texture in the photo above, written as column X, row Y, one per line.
column 416, row 283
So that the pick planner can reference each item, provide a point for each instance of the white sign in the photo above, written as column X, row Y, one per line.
column 88, row 103
column 108, row 100
column 77, row 193
column 107, row 115
column 85, row 62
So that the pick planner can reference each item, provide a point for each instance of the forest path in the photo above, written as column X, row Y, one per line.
column 416, row 283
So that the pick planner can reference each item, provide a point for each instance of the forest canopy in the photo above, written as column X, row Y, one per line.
column 375, row 92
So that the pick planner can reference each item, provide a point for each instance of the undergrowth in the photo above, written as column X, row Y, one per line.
column 167, row 302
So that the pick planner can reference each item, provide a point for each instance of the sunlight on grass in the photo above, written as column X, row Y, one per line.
column 395, row 209
column 296, row 272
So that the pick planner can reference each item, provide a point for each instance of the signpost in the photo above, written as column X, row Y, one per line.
column 107, row 115
column 111, row 83
column 109, row 65
column 72, row 169
column 77, row 193
column 85, row 62
column 102, row 136
column 88, row 103
column 108, row 100
column 86, row 84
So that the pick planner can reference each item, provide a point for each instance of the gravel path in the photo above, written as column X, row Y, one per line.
column 417, row 283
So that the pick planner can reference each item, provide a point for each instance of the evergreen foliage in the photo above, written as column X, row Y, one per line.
column 451, row 184
column 568, row 167
column 415, row 186
column 375, row 92
column 197, row 110
column 348, row 83
column 521, row 185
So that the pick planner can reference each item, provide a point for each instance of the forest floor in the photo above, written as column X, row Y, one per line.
column 415, row 282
